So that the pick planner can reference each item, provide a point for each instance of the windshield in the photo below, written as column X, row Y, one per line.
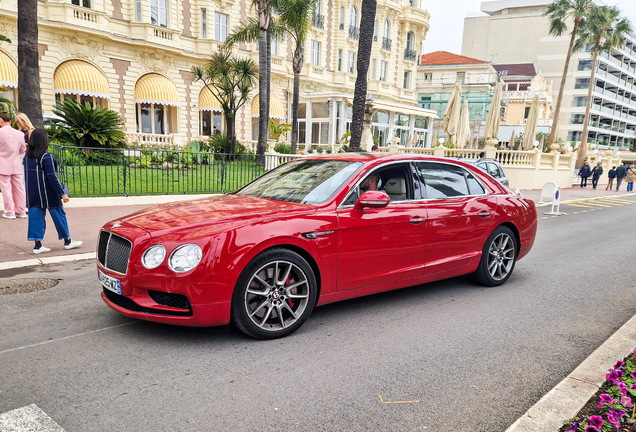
column 305, row 182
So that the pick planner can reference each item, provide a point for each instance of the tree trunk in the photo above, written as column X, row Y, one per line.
column 263, row 79
column 557, row 108
column 231, row 134
column 298, row 66
column 269, row 78
column 583, row 147
column 29, row 100
column 367, row 20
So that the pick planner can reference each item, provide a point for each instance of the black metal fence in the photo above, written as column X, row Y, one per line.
column 103, row 172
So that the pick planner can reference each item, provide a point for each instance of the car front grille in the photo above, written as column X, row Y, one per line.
column 113, row 252
column 128, row 304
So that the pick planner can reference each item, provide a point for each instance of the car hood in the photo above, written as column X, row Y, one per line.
column 211, row 211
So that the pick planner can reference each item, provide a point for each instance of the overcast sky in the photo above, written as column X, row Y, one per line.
column 447, row 21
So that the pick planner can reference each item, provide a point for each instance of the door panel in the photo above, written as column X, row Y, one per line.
column 381, row 245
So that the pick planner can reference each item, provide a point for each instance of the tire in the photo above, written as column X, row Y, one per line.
column 274, row 295
column 498, row 258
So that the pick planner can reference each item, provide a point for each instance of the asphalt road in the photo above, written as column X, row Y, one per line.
column 459, row 356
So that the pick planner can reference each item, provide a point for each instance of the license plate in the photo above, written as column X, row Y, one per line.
column 109, row 283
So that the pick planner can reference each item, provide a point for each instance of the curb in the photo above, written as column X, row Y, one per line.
column 568, row 397
column 47, row 260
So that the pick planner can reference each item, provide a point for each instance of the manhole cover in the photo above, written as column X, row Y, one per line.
column 19, row 286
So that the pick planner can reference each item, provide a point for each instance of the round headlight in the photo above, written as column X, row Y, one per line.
column 185, row 258
column 153, row 257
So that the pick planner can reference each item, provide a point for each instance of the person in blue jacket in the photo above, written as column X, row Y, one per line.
column 611, row 175
column 44, row 192
column 621, row 173
column 584, row 173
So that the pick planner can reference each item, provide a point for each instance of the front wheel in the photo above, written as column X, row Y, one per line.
column 274, row 295
column 498, row 258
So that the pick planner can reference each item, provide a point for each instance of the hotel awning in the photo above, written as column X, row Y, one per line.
column 8, row 71
column 400, row 108
column 276, row 110
column 207, row 101
column 82, row 78
column 155, row 88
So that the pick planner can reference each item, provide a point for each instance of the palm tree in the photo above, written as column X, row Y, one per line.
column 264, row 58
column 230, row 79
column 558, row 13
column 296, row 19
column 28, row 61
column 367, row 21
column 605, row 30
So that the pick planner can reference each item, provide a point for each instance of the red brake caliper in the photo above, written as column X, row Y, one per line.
column 290, row 280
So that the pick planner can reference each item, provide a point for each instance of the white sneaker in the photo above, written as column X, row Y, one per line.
column 7, row 217
column 73, row 244
column 21, row 216
column 42, row 249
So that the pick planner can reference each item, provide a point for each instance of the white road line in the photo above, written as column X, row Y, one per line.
column 46, row 260
column 66, row 337
column 28, row 419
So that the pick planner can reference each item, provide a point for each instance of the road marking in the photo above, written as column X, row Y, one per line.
column 618, row 200
column 396, row 402
column 580, row 205
column 67, row 337
column 27, row 419
column 46, row 260
column 596, row 204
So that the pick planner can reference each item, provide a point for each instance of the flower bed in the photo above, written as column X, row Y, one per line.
column 612, row 407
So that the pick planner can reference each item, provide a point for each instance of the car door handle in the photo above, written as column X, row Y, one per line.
column 417, row 220
column 484, row 214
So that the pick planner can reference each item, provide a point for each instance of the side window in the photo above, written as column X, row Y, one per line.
column 493, row 170
column 482, row 166
column 443, row 180
column 474, row 187
column 394, row 180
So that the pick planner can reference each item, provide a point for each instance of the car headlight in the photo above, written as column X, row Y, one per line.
column 185, row 258
column 153, row 257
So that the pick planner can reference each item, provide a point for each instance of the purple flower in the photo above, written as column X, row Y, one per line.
column 591, row 429
column 617, row 414
column 605, row 398
column 596, row 420
column 614, row 376
column 623, row 388
column 619, row 364
column 613, row 421
column 627, row 401
column 574, row 426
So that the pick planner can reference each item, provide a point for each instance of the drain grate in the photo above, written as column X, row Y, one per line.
column 20, row 286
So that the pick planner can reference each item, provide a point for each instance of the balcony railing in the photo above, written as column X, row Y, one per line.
column 386, row 44
column 410, row 54
column 354, row 32
column 341, row 26
column 319, row 21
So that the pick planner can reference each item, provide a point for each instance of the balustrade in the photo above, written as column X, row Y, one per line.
column 354, row 32
column 386, row 44
column 410, row 54
column 319, row 21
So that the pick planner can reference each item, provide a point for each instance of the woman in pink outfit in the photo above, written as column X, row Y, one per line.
column 12, row 146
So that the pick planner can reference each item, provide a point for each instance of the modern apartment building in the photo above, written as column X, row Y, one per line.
column 514, row 31
column 135, row 57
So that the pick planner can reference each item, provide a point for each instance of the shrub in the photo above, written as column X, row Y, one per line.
column 283, row 149
column 85, row 126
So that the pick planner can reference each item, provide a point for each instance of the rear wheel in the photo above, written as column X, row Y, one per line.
column 497, row 258
column 274, row 295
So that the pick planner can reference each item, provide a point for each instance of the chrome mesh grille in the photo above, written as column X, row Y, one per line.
column 113, row 252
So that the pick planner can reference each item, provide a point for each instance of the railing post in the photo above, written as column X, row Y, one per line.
column 491, row 152
column 125, row 175
column 439, row 151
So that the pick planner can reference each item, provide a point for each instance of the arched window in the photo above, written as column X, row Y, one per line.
column 317, row 8
column 353, row 16
column 156, row 100
column 81, row 82
column 387, row 29
column 341, row 18
column 410, row 41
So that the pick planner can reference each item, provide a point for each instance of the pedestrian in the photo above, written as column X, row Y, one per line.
column 11, row 175
column 44, row 191
column 621, row 172
column 585, row 172
column 611, row 175
column 597, row 171
column 630, row 178
column 24, row 124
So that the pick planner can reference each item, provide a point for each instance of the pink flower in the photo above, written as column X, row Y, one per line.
column 627, row 401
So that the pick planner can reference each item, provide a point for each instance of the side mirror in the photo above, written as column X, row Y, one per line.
column 372, row 199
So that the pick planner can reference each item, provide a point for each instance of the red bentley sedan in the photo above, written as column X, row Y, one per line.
column 311, row 232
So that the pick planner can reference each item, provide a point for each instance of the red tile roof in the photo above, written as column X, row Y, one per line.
column 523, row 69
column 446, row 58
